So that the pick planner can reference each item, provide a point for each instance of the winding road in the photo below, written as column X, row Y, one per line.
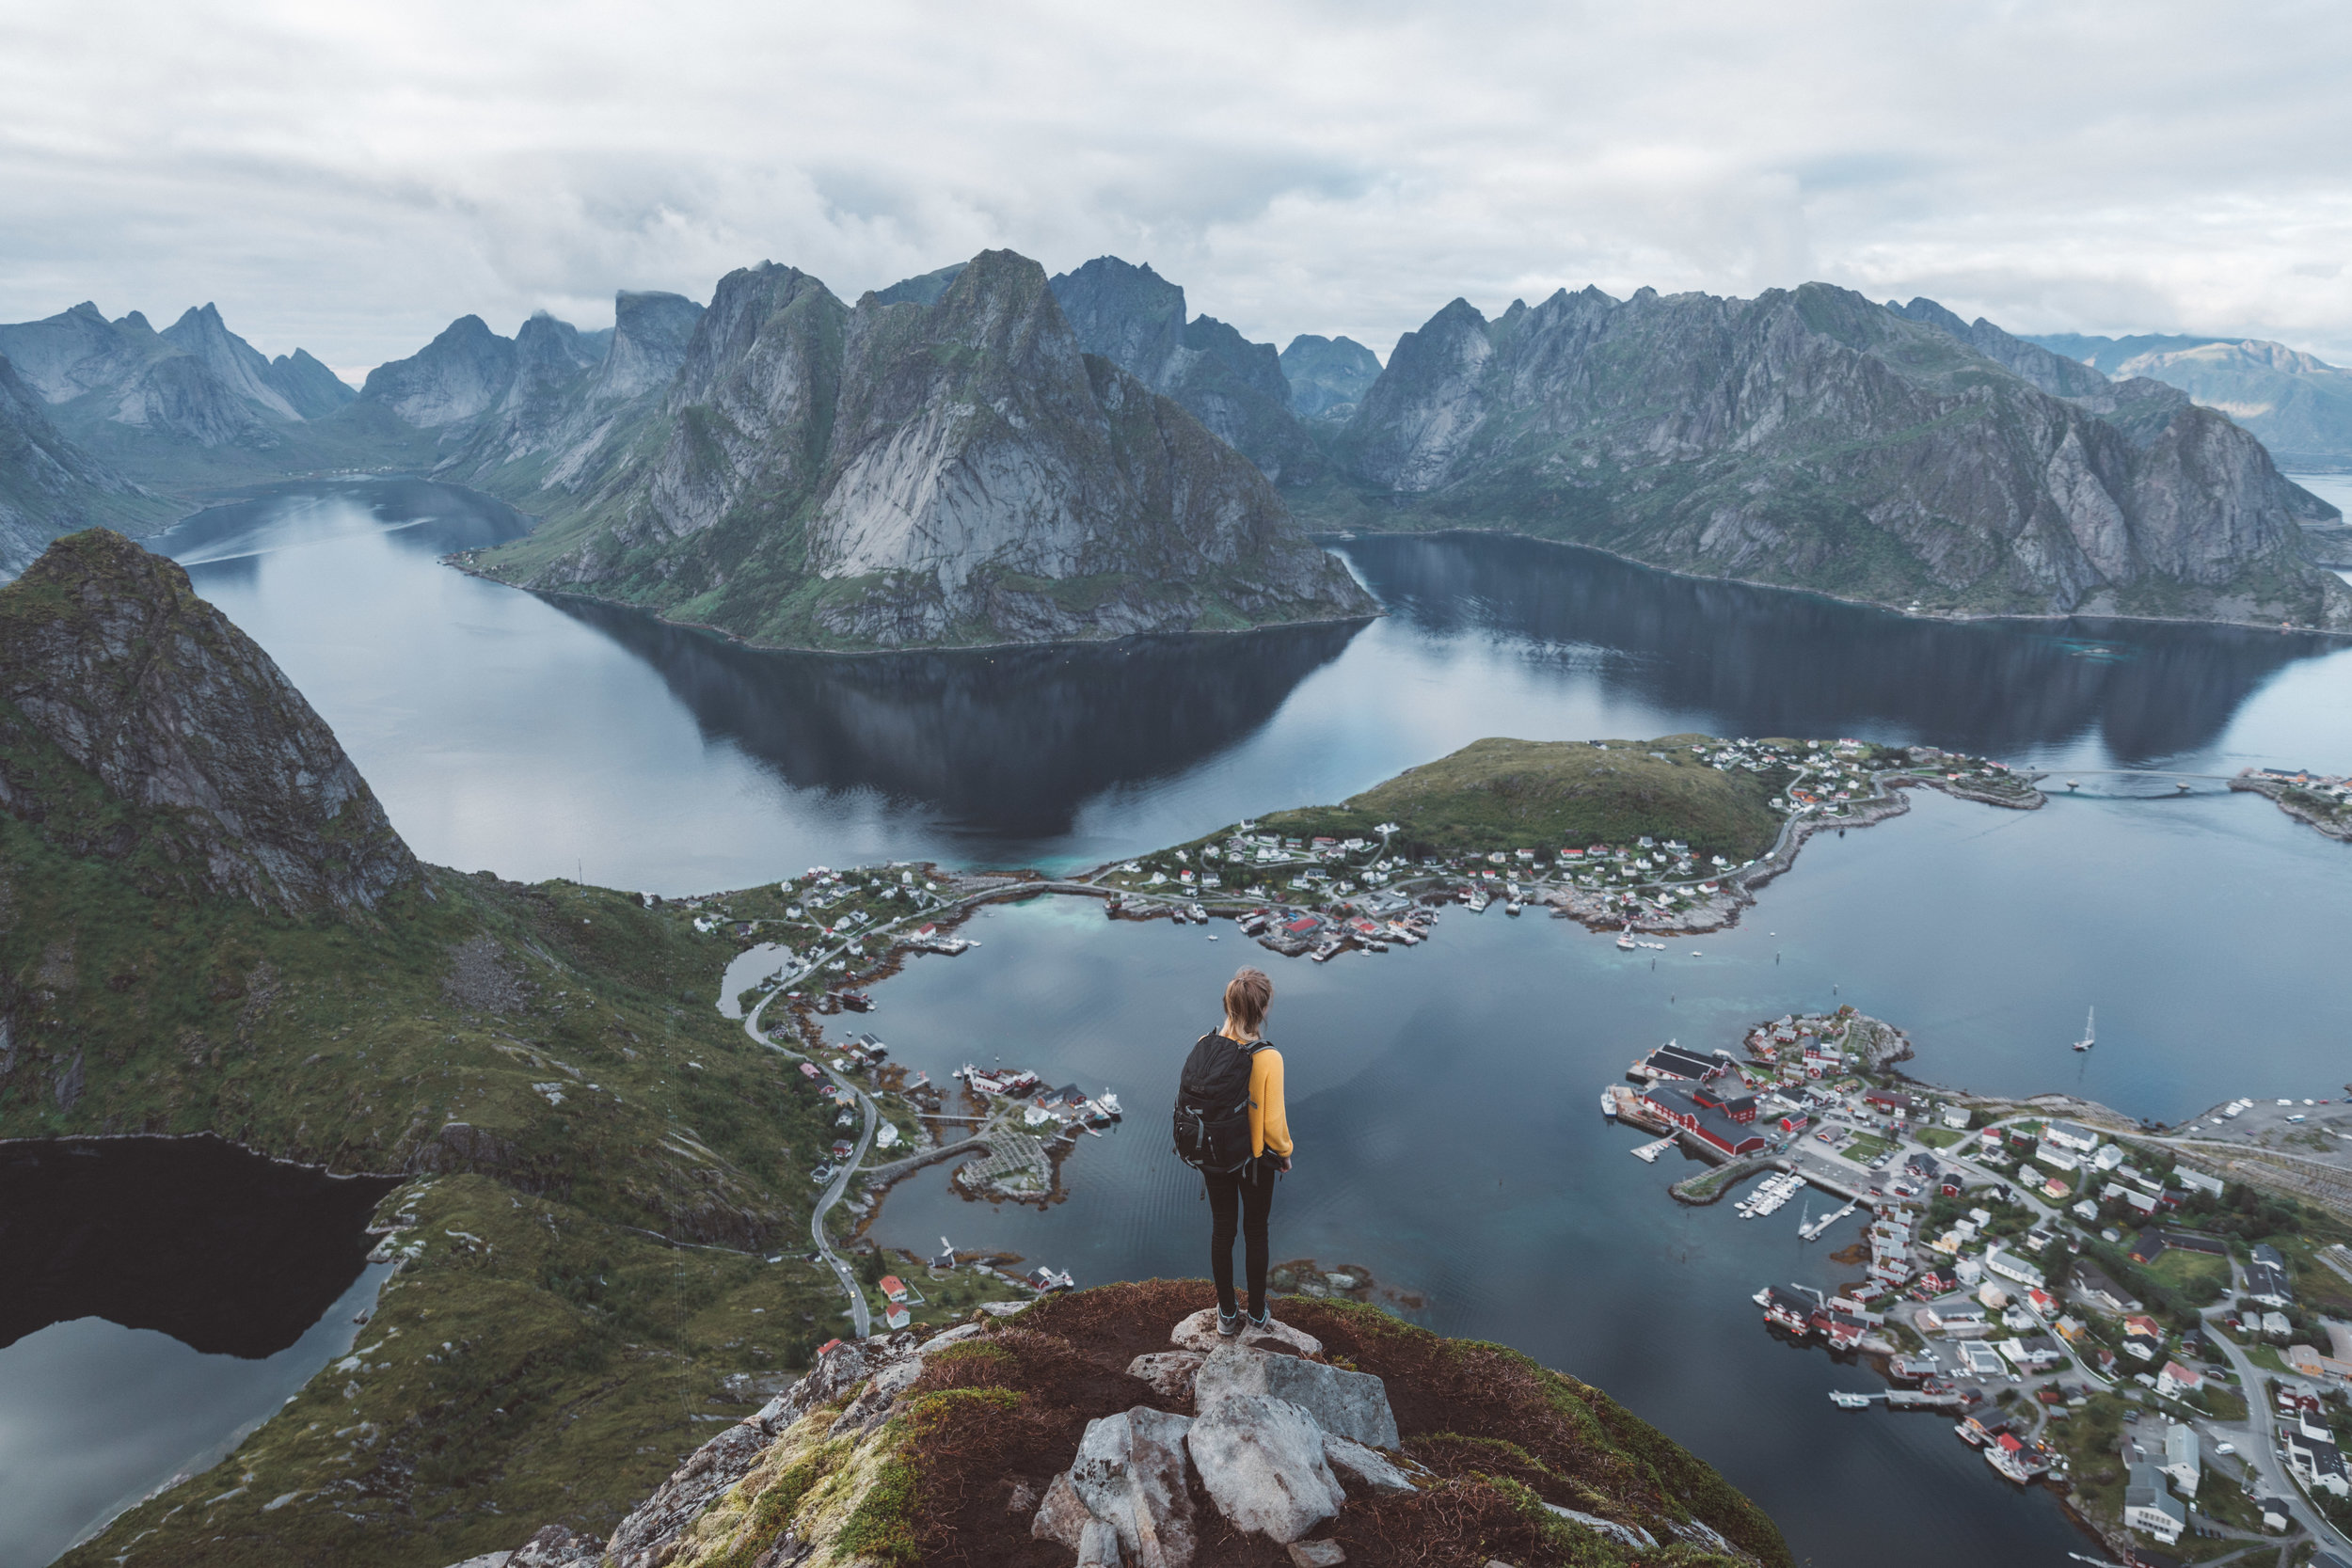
column 861, row 1314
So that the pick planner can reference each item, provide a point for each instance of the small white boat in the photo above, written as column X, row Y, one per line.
column 1850, row 1402
column 1608, row 1104
column 1109, row 1101
column 1477, row 901
column 2091, row 1031
column 1625, row 939
column 1513, row 907
column 1648, row 1153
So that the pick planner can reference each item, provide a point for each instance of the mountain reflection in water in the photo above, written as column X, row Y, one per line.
column 558, row 736
column 1009, row 741
column 228, row 1253
column 1772, row 663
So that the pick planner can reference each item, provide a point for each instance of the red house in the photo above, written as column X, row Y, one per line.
column 1706, row 1122
column 1845, row 1332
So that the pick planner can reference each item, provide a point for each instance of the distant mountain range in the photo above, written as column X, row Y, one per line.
column 1811, row 438
column 2299, row 403
column 979, row 454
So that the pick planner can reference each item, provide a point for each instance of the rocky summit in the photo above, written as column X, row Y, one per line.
column 904, row 474
column 1114, row 1428
column 1812, row 438
column 48, row 485
column 139, row 726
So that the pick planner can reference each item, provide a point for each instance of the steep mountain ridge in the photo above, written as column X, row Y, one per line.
column 1327, row 375
column 899, row 474
column 49, row 487
column 576, row 405
column 1136, row 319
column 1812, row 438
column 2300, row 404
column 217, row 777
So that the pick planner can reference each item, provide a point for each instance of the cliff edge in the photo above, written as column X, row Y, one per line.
column 1113, row 1427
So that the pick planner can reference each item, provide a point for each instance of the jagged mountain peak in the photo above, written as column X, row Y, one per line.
column 139, row 724
column 904, row 473
column 1132, row 316
column 1813, row 437
column 462, row 371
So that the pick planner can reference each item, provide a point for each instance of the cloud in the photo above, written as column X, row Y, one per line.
column 349, row 178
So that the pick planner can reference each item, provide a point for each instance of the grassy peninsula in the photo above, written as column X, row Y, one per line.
column 1503, row 794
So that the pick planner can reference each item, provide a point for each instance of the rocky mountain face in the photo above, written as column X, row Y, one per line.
column 459, row 375
column 902, row 474
column 1327, row 375
column 139, row 726
column 48, row 486
column 1812, row 438
column 577, row 402
column 2300, row 405
column 1336, row 1435
column 1135, row 318
column 195, row 382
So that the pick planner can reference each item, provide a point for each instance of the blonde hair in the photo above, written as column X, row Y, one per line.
column 1248, row 995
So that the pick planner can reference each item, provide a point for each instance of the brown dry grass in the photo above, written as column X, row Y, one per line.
column 1499, row 1431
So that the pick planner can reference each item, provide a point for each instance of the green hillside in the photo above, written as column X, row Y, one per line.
column 1503, row 794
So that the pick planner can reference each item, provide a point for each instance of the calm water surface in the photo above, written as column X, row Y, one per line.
column 1444, row 1097
column 162, row 1297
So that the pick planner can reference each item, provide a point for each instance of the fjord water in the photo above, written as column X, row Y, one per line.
column 164, row 1297
column 1444, row 1097
column 559, row 737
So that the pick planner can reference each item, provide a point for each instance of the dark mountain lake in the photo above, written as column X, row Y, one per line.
column 164, row 1296
column 1444, row 1097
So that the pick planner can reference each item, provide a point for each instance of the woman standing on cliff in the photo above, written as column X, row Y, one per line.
column 1232, row 1126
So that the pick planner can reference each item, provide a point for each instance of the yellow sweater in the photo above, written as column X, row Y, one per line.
column 1269, row 1123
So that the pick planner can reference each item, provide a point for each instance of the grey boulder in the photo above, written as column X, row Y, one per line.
column 1130, row 1473
column 1349, row 1404
column 1368, row 1466
column 1061, row 1516
column 1168, row 1371
column 1631, row 1535
column 1262, row 1461
column 1198, row 1333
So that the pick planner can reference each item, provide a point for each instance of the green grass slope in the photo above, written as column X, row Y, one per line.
column 1503, row 794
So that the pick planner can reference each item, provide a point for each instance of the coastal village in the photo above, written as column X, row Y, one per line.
column 2088, row 1302
column 2323, row 800
column 2096, row 1305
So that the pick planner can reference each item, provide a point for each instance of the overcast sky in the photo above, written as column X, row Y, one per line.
column 350, row 177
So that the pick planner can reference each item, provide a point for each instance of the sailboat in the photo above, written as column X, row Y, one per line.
column 2091, row 1031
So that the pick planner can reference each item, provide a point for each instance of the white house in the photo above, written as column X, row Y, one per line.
column 2177, row 1379
column 2275, row 1326
column 2009, row 1266
column 2107, row 1158
column 2313, row 1455
column 2147, row 1506
column 1956, row 1116
column 2182, row 1460
column 2068, row 1135
column 2198, row 1181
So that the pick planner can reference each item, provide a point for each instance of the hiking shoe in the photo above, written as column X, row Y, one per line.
column 1261, row 1322
column 1228, row 1324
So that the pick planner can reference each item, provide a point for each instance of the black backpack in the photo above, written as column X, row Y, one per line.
column 1213, row 1104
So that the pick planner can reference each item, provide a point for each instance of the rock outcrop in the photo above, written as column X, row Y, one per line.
column 138, row 725
column 1135, row 318
column 1015, row 1440
column 1810, row 438
column 900, row 474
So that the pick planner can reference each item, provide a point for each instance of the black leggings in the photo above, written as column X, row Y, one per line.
column 1247, row 1196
